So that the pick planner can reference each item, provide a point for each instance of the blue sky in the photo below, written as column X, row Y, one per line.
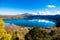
column 34, row 6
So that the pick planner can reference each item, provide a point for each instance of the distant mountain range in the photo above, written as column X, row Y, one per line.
column 49, row 17
column 55, row 18
column 30, row 16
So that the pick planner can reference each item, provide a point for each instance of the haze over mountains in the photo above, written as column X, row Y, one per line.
column 31, row 16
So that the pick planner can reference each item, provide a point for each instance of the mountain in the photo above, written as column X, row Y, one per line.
column 18, row 16
column 49, row 17
column 31, row 16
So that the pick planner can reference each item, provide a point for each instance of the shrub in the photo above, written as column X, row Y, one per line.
column 1, row 23
column 3, row 33
column 37, row 34
column 53, row 33
column 6, row 37
column 15, row 36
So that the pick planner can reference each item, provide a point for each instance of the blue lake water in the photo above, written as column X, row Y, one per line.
column 32, row 23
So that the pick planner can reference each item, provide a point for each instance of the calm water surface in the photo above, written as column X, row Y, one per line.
column 32, row 23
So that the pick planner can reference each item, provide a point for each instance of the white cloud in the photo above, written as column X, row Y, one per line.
column 43, row 12
column 51, row 6
column 58, row 12
column 46, row 13
column 34, row 14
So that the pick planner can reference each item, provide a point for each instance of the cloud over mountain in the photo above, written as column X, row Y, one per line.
column 47, row 13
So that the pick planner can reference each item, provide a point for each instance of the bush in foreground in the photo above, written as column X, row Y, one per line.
column 38, row 34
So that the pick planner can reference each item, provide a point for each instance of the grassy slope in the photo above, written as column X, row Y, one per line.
column 21, row 31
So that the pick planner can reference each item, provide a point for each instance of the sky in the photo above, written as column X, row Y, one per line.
column 37, row 7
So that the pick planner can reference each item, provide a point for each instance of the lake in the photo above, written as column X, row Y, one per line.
column 31, row 23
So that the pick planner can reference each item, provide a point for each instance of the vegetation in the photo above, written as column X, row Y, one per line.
column 3, row 34
column 38, row 34
column 1, row 23
column 24, row 33
column 15, row 36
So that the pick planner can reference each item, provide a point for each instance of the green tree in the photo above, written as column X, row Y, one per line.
column 37, row 34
